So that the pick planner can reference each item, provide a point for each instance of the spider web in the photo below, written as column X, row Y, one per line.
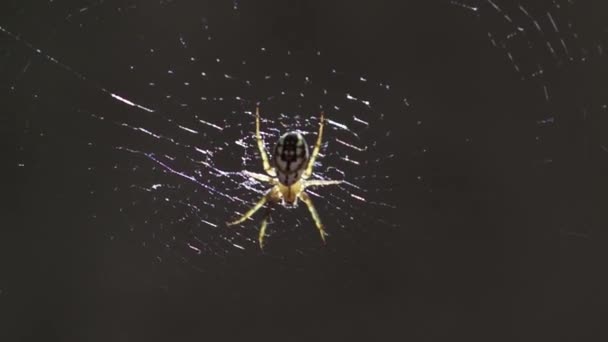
column 168, row 128
column 558, row 51
column 171, row 138
column 137, row 128
column 545, row 42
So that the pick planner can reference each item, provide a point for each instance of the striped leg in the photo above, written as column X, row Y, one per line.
column 315, row 151
column 313, row 212
column 251, row 211
column 320, row 182
column 262, row 234
column 258, row 137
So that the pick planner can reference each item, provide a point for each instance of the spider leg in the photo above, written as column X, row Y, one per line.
column 260, row 177
column 311, row 162
column 258, row 137
column 263, row 228
column 320, row 182
column 313, row 212
column 251, row 211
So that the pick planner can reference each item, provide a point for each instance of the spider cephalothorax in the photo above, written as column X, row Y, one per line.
column 288, row 173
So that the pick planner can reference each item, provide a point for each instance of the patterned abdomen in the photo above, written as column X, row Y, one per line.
column 290, row 157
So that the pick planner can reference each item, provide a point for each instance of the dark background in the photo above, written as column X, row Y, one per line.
column 508, row 246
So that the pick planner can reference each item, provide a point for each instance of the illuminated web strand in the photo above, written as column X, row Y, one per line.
column 72, row 71
column 161, row 137
column 181, row 174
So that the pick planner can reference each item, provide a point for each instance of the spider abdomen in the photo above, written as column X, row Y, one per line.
column 290, row 157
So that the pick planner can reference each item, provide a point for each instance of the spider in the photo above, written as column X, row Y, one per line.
column 289, row 173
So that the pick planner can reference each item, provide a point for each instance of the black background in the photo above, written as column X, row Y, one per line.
column 505, row 248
